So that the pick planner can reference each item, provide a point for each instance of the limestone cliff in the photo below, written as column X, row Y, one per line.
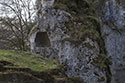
column 82, row 35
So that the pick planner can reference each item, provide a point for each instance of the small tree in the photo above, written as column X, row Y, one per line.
column 18, row 18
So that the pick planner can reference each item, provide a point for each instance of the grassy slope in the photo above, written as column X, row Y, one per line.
column 27, row 68
column 26, row 60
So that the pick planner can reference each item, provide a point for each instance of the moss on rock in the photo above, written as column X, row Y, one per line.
column 23, row 67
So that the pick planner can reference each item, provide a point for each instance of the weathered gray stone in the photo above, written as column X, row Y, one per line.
column 113, row 32
column 77, row 56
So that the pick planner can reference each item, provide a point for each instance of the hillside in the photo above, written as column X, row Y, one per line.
column 23, row 67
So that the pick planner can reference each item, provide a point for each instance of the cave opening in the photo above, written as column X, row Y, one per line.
column 42, row 40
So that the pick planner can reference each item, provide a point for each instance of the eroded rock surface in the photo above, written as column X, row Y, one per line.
column 113, row 32
column 74, row 33
column 86, row 36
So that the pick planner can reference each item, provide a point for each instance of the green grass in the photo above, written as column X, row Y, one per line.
column 27, row 60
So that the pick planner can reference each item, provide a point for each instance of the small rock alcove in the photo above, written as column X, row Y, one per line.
column 42, row 39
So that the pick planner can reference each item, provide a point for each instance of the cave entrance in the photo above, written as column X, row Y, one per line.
column 42, row 40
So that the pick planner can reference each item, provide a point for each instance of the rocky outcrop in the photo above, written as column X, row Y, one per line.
column 113, row 32
column 73, row 30
column 86, row 36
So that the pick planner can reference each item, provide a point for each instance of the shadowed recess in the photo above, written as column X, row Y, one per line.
column 42, row 39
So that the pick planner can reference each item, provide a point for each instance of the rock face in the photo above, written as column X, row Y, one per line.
column 71, row 32
column 113, row 32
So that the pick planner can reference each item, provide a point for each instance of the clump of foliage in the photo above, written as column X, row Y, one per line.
column 100, row 61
